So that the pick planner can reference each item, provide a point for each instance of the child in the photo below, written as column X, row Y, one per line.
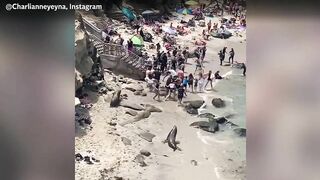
column 185, row 82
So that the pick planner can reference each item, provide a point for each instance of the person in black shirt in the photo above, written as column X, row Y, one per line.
column 221, row 57
column 174, row 63
column 181, row 92
column 157, row 74
column 174, row 52
column 244, row 69
column 231, row 55
column 209, row 79
column 224, row 52
column 164, row 62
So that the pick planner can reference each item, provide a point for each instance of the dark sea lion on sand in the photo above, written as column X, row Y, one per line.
column 171, row 139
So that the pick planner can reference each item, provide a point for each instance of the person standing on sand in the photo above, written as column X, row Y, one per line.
column 181, row 93
column 172, row 90
column 209, row 25
column 221, row 57
column 201, row 82
column 244, row 69
column 231, row 53
column 156, row 89
column 204, row 50
column 209, row 79
column 198, row 65
column 224, row 50
column 190, row 81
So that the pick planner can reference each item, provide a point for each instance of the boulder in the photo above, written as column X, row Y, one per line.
column 115, row 100
column 147, row 136
column 140, row 160
column 242, row 132
column 196, row 104
column 131, row 105
column 145, row 152
column 218, row 103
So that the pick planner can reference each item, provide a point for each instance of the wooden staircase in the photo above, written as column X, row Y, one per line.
column 120, row 53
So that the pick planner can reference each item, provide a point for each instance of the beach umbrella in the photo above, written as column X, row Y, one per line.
column 192, row 3
column 184, row 11
column 128, row 13
column 169, row 30
column 137, row 40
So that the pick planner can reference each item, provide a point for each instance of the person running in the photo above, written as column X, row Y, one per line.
column 209, row 79
column 190, row 81
column 231, row 53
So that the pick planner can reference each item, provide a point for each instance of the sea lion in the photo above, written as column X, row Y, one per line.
column 171, row 139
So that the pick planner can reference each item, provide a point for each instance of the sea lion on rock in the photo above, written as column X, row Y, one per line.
column 171, row 139
column 152, row 108
column 206, row 115
column 242, row 132
column 209, row 126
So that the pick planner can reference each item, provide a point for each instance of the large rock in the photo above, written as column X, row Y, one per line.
column 115, row 100
column 131, row 105
column 242, row 132
column 145, row 152
column 147, row 136
column 134, row 87
column 195, row 103
column 218, row 103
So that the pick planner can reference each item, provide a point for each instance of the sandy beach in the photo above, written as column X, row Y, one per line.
column 203, row 155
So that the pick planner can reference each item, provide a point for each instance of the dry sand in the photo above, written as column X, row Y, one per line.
column 218, row 156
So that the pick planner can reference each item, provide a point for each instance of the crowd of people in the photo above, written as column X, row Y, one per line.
column 170, row 59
